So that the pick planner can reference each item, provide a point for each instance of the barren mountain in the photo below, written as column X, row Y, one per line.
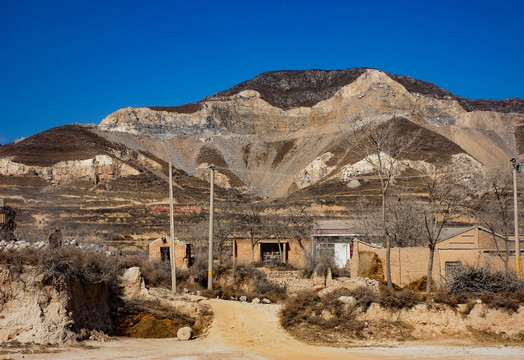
column 282, row 134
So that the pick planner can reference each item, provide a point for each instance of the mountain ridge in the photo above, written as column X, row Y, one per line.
column 286, row 153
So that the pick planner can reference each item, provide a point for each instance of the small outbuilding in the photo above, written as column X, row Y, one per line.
column 336, row 238
column 159, row 249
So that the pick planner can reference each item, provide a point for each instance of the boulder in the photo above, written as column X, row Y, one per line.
column 348, row 300
column 184, row 334
column 133, row 283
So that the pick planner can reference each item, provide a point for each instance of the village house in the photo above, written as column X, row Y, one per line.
column 334, row 237
column 473, row 245
column 271, row 252
column 159, row 249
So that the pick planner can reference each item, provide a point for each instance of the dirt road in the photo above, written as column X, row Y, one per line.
column 252, row 331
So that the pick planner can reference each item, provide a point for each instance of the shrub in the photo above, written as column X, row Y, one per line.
column 319, row 263
column 476, row 281
column 396, row 300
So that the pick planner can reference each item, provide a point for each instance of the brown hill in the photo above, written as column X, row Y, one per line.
column 282, row 135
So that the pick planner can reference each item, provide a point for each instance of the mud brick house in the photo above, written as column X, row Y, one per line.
column 271, row 252
column 473, row 245
column 159, row 249
column 336, row 238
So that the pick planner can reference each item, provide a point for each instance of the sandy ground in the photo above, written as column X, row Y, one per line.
column 251, row 331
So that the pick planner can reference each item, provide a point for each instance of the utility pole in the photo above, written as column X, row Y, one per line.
column 172, row 231
column 211, row 224
column 517, row 168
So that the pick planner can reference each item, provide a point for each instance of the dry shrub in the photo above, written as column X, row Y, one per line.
column 231, row 282
column 56, row 266
column 504, row 301
column 396, row 300
column 156, row 273
column 442, row 296
column 319, row 263
column 496, row 289
column 329, row 319
column 476, row 281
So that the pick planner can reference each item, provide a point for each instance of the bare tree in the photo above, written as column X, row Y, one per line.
column 404, row 223
column 381, row 146
column 225, row 228
column 495, row 212
column 278, row 229
column 252, row 219
column 299, row 224
column 445, row 198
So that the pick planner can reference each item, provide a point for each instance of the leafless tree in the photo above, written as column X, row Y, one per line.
column 225, row 227
column 252, row 220
column 495, row 212
column 404, row 223
column 277, row 229
column 443, row 204
column 299, row 224
column 381, row 146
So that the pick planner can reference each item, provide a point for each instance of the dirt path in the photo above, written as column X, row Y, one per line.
column 252, row 331
column 255, row 328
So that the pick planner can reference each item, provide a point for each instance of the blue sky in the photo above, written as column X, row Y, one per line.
column 71, row 61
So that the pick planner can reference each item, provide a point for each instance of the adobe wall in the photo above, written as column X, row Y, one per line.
column 407, row 264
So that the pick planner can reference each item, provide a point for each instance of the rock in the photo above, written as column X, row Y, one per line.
column 372, row 282
column 184, row 334
column 266, row 301
column 243, row 298
column 478, row 301
column 353, row 184
column 255, row 301
column 349, row 300
column 133, row 283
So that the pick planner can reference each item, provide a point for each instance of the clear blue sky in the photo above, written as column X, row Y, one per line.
column 71, row 61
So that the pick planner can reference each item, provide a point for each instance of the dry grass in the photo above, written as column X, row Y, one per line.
column 332, row 321
column 245, row 280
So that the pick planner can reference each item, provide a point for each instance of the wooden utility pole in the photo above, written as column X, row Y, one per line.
column 211, row 225
column 172, row 231
column 516, row 168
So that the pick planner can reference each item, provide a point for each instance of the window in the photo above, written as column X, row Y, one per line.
column 164, row 253
column 452, row 267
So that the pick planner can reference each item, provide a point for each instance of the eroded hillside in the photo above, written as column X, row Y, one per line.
column 282, row 135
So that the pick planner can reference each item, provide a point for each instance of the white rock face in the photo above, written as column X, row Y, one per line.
column 99, row 169
column 134, row 284
column 315, row 171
